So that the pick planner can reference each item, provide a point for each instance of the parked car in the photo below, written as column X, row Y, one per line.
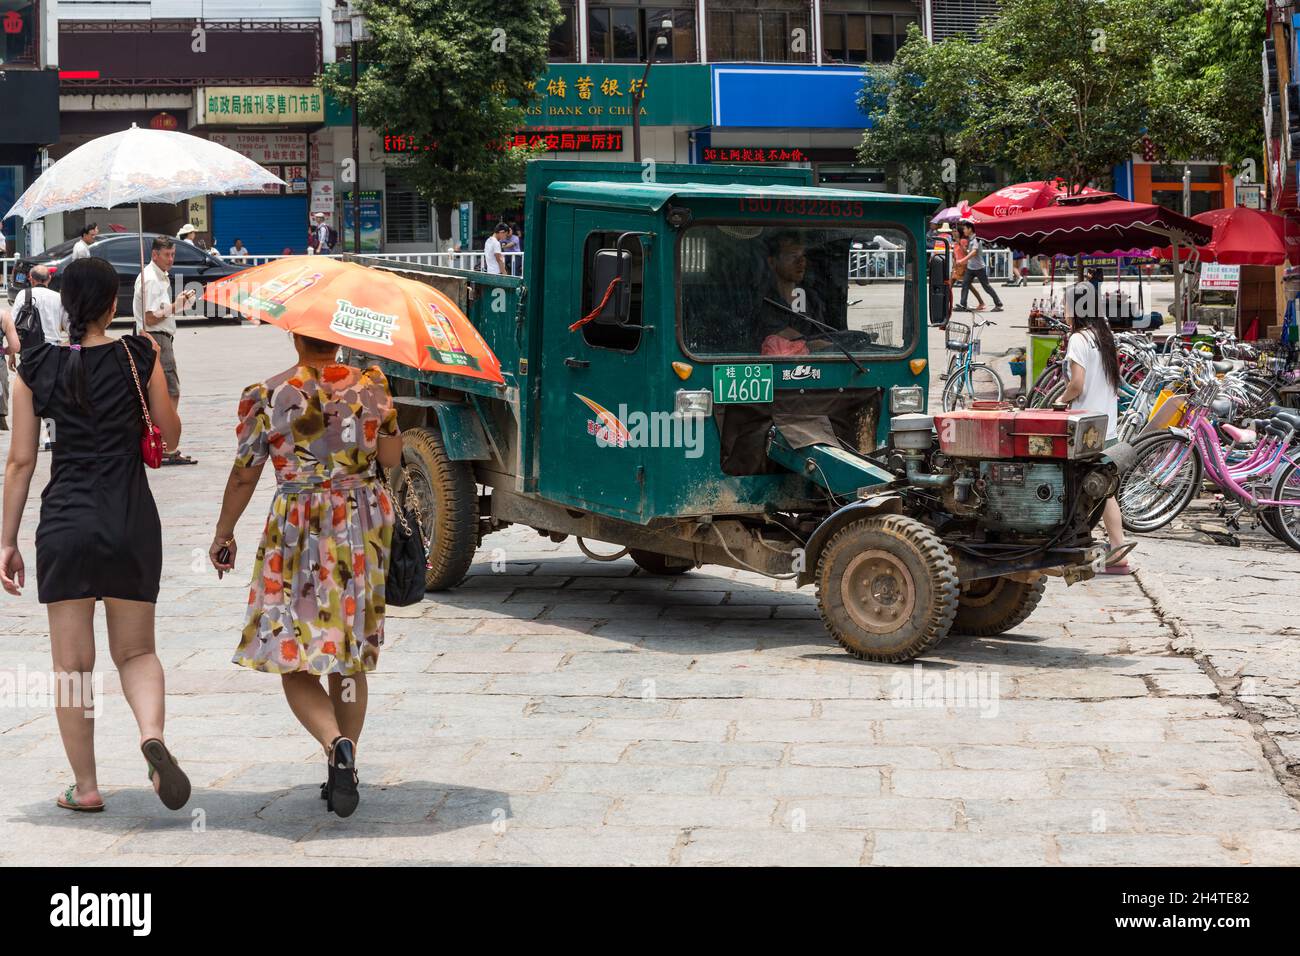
column 122, row 251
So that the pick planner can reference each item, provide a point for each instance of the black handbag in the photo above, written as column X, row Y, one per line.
column 406, row 558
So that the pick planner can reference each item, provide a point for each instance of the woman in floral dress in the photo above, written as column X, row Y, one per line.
column 316, row 605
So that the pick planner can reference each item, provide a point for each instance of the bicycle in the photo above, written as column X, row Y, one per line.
column 1263, row 480
column 968, row 381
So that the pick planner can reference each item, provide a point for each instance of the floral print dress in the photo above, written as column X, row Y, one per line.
column 317, row 598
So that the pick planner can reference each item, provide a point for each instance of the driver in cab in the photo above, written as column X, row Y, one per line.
column 786, row 305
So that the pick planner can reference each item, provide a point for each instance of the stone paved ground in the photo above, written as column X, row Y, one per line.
column 557, row 710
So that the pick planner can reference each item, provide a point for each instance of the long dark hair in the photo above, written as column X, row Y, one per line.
column 89, row 288
column 1104, row 339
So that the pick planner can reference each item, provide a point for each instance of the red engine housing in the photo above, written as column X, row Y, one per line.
column 1027, row 433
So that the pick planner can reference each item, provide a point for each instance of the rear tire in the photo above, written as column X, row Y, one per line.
column 886, row 588
column 1146, row 507
column 990, row 606
column 447, row 497
column 654, row 563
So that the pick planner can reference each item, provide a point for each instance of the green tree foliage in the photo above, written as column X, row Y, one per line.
column 1065, row 85
column 918, row 108
column 1069, row 88
column 1209, row 86
column 454, row 74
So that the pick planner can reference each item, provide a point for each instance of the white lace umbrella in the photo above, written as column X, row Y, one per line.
column 138, row 166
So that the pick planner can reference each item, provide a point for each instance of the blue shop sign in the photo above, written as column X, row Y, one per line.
column 807, row 97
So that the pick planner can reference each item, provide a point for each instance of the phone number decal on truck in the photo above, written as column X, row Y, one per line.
column 804, row 207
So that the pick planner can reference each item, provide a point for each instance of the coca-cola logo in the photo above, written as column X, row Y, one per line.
column 1016, row 193
column 1009, row 210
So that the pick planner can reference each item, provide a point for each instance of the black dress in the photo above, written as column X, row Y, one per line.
column 99, row 534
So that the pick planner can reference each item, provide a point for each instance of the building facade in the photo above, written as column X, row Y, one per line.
column 29, row 102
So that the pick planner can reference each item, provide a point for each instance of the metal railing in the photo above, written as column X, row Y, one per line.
column 469, row 261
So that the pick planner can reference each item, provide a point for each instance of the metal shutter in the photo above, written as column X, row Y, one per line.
column 267, row 224
column 960, row 16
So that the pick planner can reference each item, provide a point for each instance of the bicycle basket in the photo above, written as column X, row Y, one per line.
column 958, row 336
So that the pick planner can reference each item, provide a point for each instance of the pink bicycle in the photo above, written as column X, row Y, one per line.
column 1258, row 472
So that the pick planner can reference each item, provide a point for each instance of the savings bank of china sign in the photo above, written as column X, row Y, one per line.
column 594, row 94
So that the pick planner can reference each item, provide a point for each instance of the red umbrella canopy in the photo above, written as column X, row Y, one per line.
column 1092, row 224
column 1023, row 197
column 1242, row 237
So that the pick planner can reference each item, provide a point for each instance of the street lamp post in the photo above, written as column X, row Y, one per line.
column 661, row 43
column 351, row 29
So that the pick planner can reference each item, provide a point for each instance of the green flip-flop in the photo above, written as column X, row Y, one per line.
column 69, row 802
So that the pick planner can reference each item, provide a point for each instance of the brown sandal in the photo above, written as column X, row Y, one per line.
column 173, row 785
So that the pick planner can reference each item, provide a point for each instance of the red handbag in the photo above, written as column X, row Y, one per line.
column 151, row 443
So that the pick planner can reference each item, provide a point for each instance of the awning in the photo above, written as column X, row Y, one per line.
column 1243, row 237
column 1083, row 225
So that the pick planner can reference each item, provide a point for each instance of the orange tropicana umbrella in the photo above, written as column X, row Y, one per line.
column 370, row 310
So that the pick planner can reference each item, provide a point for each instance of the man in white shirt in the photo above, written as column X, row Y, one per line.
column 89, row 233
column 494, row 260
column 238, row 252
column 155, row 312
column 54, row 320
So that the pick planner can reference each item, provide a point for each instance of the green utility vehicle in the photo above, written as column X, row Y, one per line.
column 728, row 365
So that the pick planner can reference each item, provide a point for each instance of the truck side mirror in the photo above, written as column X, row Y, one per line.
column 940, row 297
column 607, row 266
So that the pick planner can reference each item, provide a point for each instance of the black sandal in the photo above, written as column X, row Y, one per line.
column 173, row 785
column 341, row 794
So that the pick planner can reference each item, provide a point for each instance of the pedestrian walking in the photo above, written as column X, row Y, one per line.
column 89, row 233
column 961, row 253
column 46, row 319
column 321, row 237
column 99, row 536
column 976, row 271
column 1094, row 386
column 510, row 246
column 494, row 261
column 1019, row 271
column 316, row 605
column 155, row 312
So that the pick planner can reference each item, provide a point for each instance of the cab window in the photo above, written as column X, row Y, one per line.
column 787, row 290
column 623, row 338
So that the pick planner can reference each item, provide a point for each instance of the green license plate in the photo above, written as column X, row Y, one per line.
column 737, row 384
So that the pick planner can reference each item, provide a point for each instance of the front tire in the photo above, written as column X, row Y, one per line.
column 886, row 588
column 1286, row 518
column 974, row 383
column 447, row 498
column 990, row 606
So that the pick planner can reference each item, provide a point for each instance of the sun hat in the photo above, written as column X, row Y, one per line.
column 185, row 230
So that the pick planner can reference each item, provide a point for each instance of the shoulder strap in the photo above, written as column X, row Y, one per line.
column 135, row 376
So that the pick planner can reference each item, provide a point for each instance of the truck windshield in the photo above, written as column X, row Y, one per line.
column 750, row 290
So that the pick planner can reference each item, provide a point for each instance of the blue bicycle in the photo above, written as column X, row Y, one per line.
column 968, row 381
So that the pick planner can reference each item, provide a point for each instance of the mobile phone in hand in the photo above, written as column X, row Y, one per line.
column 223, row 557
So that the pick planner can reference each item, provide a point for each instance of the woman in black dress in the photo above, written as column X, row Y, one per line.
column 99, row 537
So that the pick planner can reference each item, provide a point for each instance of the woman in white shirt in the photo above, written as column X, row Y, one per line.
column 1094, row 386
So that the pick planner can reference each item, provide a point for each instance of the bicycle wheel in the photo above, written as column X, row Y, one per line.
column 1052, row 381
column 975, row 383
column 1286, row 519
column 1163, row 480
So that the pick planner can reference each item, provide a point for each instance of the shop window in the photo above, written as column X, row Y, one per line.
column 564, row 36
column 1202, row 200
column 623, row 338
column 866, row 31
column 626, row 33
column 760, row 31
column 18, row 32
column 1173, row 173
column 407, row 215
